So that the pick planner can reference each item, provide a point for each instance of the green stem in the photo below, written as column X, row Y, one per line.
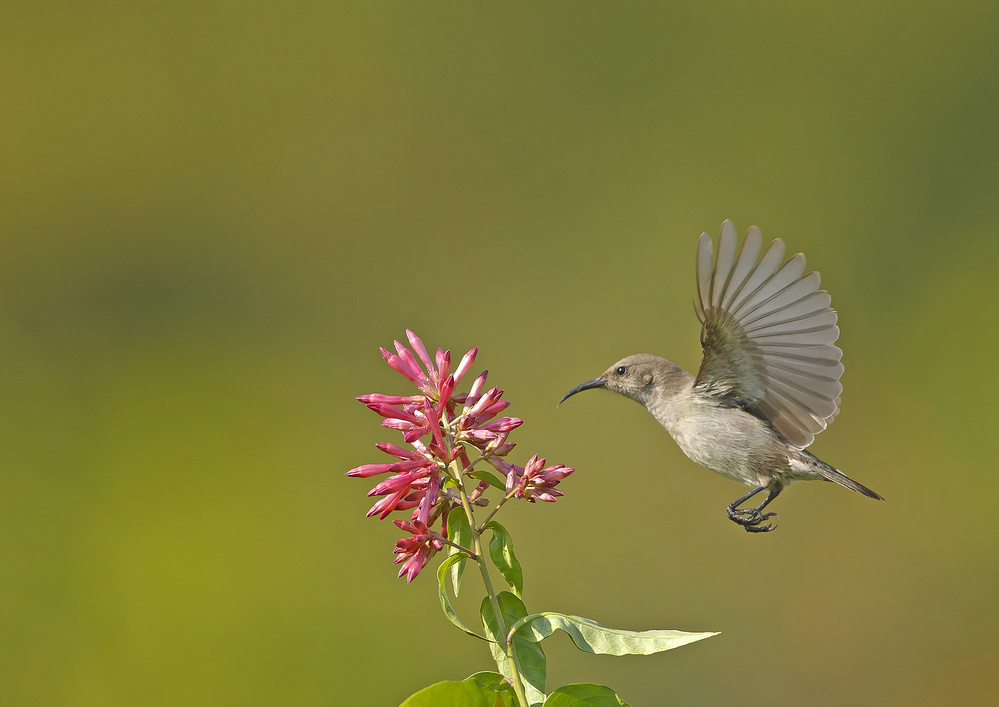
column 501, row 626
column 471, row 553
column 482, row 526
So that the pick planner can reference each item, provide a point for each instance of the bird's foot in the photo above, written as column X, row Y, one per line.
column 765, row 527
column 752, row 519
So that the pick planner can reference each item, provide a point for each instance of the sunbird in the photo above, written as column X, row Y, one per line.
column 769, row 376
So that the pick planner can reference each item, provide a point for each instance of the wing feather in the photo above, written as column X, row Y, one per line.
column 763, row 271
column 704, row 269
column 768, row 333
column 726, row 259
column 785, row 297
column 788, row 275
column 748, row 256
column 805, row 307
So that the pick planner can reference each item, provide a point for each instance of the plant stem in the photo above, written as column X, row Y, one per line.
column 482, row 526
column 502, row 629
column 471, row 553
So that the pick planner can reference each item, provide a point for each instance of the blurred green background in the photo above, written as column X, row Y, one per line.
column 212, row 214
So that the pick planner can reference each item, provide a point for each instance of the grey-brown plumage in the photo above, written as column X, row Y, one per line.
column 769, row 376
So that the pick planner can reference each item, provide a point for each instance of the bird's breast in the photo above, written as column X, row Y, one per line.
column 726, row 440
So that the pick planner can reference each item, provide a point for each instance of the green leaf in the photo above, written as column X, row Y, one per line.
column 467, row 693
column 496, row 683
column 501, row 552
column 449, row 611
column 584, row 695
column 527, row 655
column 488, row 477
column 458, row 532
column 591, row 637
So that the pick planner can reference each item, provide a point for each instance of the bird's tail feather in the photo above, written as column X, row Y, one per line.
column 834, row 474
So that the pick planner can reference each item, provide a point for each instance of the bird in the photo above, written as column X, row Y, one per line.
column 769, row 379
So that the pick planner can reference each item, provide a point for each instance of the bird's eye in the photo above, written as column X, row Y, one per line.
column 621, row 370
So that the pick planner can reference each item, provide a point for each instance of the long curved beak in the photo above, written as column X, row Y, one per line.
column 595, row 383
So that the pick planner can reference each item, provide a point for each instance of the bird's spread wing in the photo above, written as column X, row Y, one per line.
column 767, row 335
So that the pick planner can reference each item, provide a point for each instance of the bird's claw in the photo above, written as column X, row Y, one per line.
column 752, row 519
column 765, row 528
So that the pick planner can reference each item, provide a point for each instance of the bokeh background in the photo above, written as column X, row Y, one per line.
column 212, row 214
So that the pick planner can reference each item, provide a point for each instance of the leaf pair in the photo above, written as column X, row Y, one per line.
column 500, row 551
column 527, row 656
column 488, row 689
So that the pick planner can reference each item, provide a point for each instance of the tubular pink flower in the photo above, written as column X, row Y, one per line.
column 504, row 467
column 386, row 505
column 493, row 410
column 424, row 382
column 401, row 366
column 478, row 384
column 397, row 451
column 432, row 493
column 414, row 434
column 421, row 351
column 446, row 389
column 502, row 424
column 434, row 423
column 466, row 362
column 503, row 449
column 392, row 412
column 443, row 364
column 391, row 399
column 366, row 470
column 479, row 435
column 402, row 480
column 405, row 427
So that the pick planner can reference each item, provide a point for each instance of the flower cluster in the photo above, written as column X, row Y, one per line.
column 441, row 428
column 534, row 481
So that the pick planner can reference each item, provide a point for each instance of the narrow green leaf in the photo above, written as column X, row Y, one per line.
column 458, row 532
column 584, row 695
column 501, row 552
column 488, row 477
column 467, row 693
column 527, row 654
column 591, row 637
column 449, row 611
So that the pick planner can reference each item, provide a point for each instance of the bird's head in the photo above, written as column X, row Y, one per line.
column 642, row 377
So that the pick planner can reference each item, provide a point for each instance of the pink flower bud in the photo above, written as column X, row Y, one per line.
column 421, row 351
column 503, row 424
column 401, row 366
column 366, row 470
column 433, row 422
column 443, row 364
column 391, row 399
column 386, row 505
column 397, row 451
column 446, row 389
column 392, row 485
column 466, row 362
column 391, row 411
column 478, row 384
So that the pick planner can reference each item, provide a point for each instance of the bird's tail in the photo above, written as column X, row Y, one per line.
column 834, row 474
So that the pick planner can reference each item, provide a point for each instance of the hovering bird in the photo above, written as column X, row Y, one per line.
column 769, row 376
